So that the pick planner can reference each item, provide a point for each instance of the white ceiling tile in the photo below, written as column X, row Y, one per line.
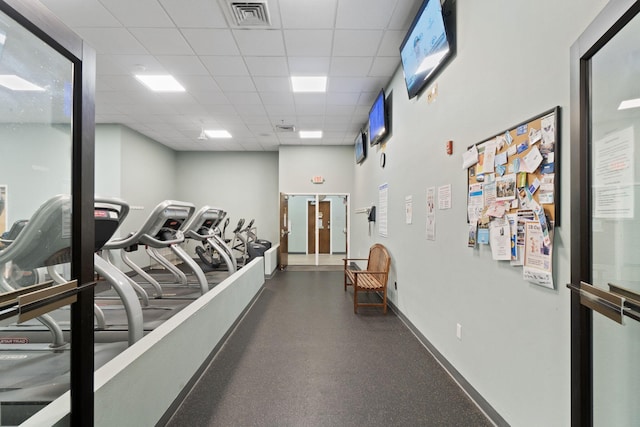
column 282, row 112
column 349, row 84
column 309, row 98
column 201, row 84
column 243, row 98
column 342, row 110
column 356, row 42
column 255, row 119
column 308, row 42
column 311, row 121
column 337, row 118
column 186, row 65
column 127, row 64
column 209, row 98
column 162, row 41
column 195, row 13
column 384, row 66
column 124, row 83
column 272, row 84
column 297, row 14
column 211, row 42
column 364, row 13
column 111, row 40
column 309, row 66
column 235, row 84
column 277, row 98
column 391, row 41
column 342, row 98
column 350, row 66
column 139, row 13
column 342, row 127
column 403, row 14
column 260, row 42
column 311, row 109
column 267, row 65
column 82, row 13
column 225, row 65
column 367, row 98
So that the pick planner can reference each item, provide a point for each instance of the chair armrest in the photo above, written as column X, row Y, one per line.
column 355, row 259
column 368, row 272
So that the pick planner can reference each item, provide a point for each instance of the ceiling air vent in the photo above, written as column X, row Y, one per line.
column 252, row 14
column 285, row 128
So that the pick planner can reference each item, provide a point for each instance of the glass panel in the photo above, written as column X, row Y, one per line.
column 35, row 215
column 615, row 160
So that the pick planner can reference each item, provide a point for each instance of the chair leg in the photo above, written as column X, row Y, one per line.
column 355, row 299
column 384, row 301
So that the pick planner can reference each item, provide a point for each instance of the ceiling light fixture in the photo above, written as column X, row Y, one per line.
column 309, row 83
column 629, row 103
column 217, row 133
column 203, row 136
column 13, row 82
column 160, row 83
column 308, row 134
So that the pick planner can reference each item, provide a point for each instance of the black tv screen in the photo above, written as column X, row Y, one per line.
column 378, row 125
column 427, row 47
column 360, row 147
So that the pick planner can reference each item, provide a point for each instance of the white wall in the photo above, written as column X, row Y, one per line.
column 108, row 175
column 245, row 184
column 515, row 336
column 35, row 165
column 299, row 164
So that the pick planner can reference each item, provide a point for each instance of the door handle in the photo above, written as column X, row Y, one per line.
column 614, row 303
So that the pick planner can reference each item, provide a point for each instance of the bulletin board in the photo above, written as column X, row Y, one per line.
column 524, row 165
column 513, row 195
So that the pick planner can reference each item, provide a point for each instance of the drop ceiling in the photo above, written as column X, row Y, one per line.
column 237, row 78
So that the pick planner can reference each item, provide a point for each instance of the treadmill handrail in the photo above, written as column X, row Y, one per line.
column 124, row 206
column 192, row 227
column 151, row 221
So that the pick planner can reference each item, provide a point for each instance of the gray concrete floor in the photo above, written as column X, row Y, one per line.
column 301, row 357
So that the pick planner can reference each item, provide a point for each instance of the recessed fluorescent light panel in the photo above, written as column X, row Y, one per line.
column 309, row 83
column 629, row 103
column 13, row 82
column 217, row 133
column 305, row 134
column 160, row 83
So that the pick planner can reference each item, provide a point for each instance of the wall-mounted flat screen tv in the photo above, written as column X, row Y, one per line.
column 428, row 45
column 360, row 147
column 378, row 121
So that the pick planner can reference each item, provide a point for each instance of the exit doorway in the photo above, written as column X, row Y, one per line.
column 317, row 229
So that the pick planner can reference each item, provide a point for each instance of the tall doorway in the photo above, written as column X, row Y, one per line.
column 605, row 272
column 318, row 229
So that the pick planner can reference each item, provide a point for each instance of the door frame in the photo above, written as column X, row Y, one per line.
column 348, row 213
column 613, row 17
column 37, row 19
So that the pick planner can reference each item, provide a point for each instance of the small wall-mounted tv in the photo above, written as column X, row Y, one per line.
column 428, row 45
column 378, row 120
column 360, row 147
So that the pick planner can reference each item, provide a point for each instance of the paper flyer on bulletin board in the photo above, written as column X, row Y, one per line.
column 383, row 205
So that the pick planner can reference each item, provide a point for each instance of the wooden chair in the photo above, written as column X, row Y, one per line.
column 373, row 279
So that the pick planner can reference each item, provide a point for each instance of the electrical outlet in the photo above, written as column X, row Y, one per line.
column 459, row 331
column 395, row 285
